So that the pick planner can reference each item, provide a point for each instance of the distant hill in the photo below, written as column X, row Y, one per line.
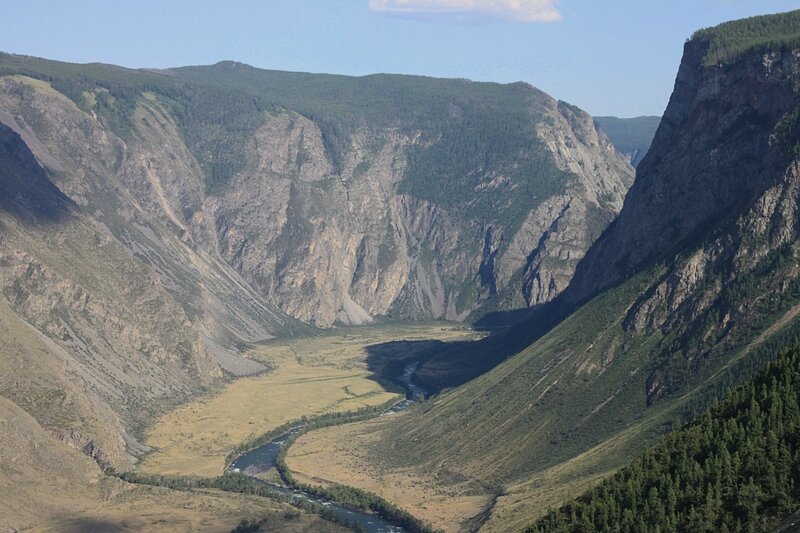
column 630, row 136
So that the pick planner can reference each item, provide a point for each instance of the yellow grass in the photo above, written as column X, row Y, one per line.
column 157, row 509
column 329, row 455
column 310, row 376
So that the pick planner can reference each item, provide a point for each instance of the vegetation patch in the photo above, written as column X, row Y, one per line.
column 310, row 377
column 731, row 40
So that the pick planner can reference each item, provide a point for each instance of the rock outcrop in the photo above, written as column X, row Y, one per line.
column 346, row 247
column 715, row 202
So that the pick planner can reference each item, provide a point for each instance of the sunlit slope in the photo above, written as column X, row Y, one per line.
column 734, row 468
column 344, row 198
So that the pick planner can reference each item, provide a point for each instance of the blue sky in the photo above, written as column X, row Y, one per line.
column 610, row 57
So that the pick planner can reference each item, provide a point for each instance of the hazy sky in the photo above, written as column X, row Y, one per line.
column 610, row 57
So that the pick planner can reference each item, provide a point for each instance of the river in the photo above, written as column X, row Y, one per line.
column 262, row 459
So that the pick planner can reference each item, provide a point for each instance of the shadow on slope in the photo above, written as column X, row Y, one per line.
column 445, row 365
column 26, row 192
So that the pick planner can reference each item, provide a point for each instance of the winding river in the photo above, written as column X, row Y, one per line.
column 263, row 458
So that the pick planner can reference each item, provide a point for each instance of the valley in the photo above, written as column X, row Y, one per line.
column 239, row 299
column 308, row 376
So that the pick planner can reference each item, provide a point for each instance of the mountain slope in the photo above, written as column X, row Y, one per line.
column 734, row 468
column 452, row 196
column 695, row 275
column 152, row 225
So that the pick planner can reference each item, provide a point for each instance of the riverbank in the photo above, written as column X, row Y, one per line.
column 367, row 511
column 333, row 372
column 326, row 456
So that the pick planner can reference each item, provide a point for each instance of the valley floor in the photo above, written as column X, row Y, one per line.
column 47, row 486
column 309, row 376
column 341, row 454
column 142, row 508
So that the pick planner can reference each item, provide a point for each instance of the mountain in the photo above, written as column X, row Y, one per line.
column 630, row 136
column 450, row 198
column 123, row 312
column 154, row 224
column 678, row 299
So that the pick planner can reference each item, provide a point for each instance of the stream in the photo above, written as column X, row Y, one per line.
column 263, row 458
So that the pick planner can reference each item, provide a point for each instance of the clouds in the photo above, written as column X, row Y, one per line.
column 519, row 10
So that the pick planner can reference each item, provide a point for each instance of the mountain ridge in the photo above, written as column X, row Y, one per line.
column 631, row 136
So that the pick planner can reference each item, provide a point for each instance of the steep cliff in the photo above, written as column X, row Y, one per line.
column 715, row 203
column 350, row 244
column 341, row 199
column 103, row 326
column 434, row 198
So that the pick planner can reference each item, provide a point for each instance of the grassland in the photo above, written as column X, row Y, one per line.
column 141, row 508
column 328, row 455
column 45, row 485
column 310, row 376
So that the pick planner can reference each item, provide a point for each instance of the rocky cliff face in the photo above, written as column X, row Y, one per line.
column 345, row 246
column 122, row 312
column 716, row 202
column 717, row 149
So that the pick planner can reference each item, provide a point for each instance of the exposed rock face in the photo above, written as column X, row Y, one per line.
column 687, row 292
column 714, row 154
column 130, row 311
column 346, row 247
column 340, row 242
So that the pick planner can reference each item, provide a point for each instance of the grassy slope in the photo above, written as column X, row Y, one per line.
column 47, row 486
column 328, row 454
column 546, row 416
column 580, row 420
column 734, row 468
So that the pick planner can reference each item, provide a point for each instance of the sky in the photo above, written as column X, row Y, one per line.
column 609, row 57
